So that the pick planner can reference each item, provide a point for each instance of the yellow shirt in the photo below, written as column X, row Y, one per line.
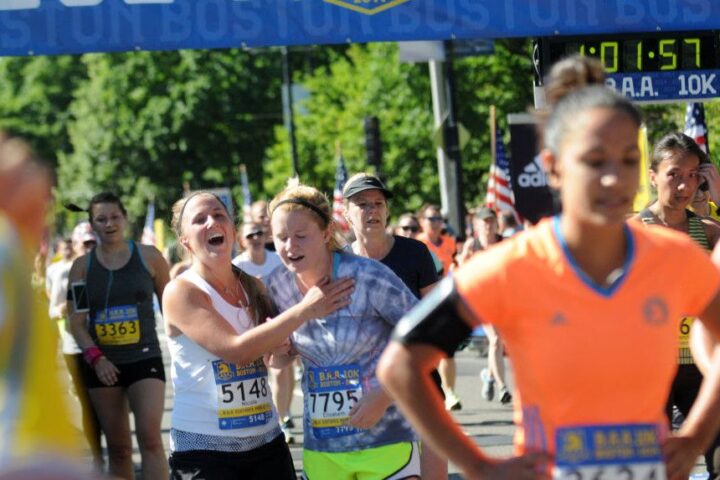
column 33, row 408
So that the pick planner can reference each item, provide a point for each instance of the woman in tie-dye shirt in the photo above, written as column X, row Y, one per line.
column 350, row 424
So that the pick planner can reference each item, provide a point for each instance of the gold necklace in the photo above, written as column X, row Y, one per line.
column 236, row 294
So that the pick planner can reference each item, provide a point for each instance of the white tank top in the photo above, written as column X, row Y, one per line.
column 219, row 398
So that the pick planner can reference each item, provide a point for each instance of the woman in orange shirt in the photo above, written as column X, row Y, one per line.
column 592, row 333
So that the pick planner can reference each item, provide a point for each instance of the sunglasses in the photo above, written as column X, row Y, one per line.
column 434, row 219
column 410, row 228
column 254, row 235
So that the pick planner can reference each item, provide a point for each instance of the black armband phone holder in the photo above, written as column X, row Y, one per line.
column 436, row 320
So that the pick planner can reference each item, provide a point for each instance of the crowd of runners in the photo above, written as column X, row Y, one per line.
column 612, row 341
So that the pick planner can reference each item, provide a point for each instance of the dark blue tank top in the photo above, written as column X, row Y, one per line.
column 122, row 317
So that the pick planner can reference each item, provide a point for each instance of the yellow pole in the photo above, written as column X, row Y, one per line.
column 644, row 193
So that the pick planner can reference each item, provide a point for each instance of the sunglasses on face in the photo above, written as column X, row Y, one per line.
column 409, row 228
column 434, row 219
column 250, row 236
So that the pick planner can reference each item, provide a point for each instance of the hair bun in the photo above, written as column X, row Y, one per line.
column 570, row 74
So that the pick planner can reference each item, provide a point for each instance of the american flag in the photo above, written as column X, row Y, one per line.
column 148, row 234
column 695, row 127
column 338, row 208
column 499, row 190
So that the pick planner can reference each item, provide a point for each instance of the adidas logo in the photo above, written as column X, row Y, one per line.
column 533, row 175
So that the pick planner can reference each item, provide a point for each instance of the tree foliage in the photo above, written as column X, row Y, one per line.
column 364, row 81
column 369, row 80
column 144, row 124
column 35, row 98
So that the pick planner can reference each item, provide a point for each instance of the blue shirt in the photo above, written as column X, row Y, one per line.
column 355, row 335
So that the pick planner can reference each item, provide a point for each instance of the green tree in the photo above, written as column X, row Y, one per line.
column 145, row 123
column 35, row 98
column 364, row 81
column 369, row 80
column 503, row 80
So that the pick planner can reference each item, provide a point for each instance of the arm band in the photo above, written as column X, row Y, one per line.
column 436, row 320
column 92, row 355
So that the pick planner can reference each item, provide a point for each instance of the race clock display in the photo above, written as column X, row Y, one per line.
column 646, row 66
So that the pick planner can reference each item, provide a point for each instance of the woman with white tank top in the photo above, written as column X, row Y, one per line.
column 224, row 424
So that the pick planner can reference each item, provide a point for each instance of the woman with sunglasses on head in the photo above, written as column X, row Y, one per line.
column 217, row 316
column 116, row 331
column 367, row 212
column 351, row 427
column 591, row 331
column 675, row 173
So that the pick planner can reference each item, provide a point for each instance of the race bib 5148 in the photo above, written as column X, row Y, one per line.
column 243, row 393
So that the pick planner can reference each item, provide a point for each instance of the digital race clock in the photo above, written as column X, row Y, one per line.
column 646, row 66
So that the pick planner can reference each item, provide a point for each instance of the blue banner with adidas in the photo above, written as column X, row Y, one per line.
column 34, row 27
column 533, row 199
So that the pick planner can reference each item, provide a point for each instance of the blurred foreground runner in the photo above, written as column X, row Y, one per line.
column 36, row 439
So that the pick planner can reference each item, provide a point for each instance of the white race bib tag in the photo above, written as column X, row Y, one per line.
column 604, row 452
column 332, row 392
column 243, row 393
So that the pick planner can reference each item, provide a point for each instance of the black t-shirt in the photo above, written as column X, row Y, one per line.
column 412, row 262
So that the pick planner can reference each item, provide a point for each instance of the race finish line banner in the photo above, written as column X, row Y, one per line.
column 35, row 27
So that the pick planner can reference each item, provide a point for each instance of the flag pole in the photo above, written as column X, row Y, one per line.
column 493, row 148
column 493, row 135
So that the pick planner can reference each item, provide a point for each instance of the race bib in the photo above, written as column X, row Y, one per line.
column 118, row 325
column 685, row 326
column 332, row 392
column 604, row 452
column 244, row 398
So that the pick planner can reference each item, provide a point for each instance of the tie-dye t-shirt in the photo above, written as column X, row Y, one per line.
column 340, row 353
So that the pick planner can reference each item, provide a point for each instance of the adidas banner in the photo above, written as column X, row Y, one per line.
column 533, row 199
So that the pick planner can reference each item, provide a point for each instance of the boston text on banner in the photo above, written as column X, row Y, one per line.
column 34, row 27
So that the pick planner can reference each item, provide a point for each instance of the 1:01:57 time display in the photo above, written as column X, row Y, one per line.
column 647, row 54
